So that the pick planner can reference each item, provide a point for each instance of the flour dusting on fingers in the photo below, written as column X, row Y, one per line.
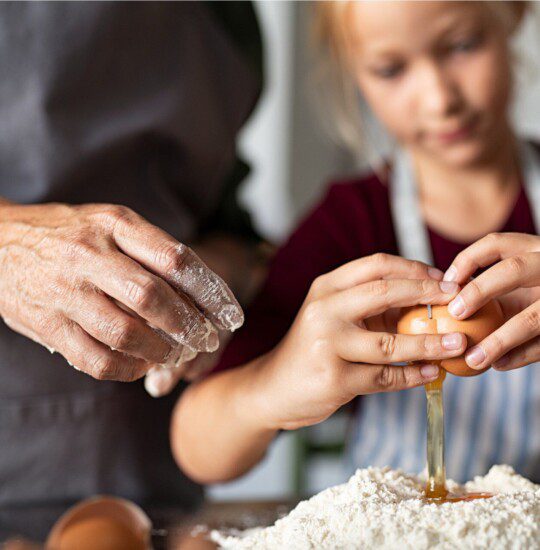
column 207, row 290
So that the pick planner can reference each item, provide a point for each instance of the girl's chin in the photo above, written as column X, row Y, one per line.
column 463, row 155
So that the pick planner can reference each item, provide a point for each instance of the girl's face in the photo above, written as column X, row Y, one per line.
column 437, row 74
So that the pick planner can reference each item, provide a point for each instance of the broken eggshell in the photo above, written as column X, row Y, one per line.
column 415, row 320
column 101, row 523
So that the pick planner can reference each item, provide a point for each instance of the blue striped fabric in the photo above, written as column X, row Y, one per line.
column 490, row 419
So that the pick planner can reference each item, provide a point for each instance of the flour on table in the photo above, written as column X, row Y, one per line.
column 383, row 508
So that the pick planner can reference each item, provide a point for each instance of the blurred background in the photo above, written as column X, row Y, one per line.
column 292, row 159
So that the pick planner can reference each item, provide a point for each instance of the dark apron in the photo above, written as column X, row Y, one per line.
column 130, row 103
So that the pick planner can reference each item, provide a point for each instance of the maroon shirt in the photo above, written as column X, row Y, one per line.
column 353, row 220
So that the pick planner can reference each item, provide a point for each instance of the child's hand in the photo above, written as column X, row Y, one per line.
column 515, row 281
column 329, row 356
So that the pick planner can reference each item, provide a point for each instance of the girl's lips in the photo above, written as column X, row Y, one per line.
column 460, row 134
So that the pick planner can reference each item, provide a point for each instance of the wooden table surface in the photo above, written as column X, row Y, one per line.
column 173, row 529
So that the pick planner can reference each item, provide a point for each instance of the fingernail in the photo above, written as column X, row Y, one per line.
column 212, row 339
column 457, row 306
column 435, row 273
column 187, row 354
column 501, row 363
column 475, row 356
column 231, row 317
column 156, row 382
column 451, row 341
column 429, row 371
column 451, row 274
column 448, row 288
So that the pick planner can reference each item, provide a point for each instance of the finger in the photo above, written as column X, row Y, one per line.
column 161, row 381
column 180, row 266
column 154, row 300
column 366, row 379
column 378, row 296
column 109, row 324
column 519, row 329
column 488, row 250
column 357, row 345
column 377, row 266
column 86, row 354
column 519, row 357
column 520, row 271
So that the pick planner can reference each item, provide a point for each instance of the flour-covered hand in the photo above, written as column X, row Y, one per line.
column 108, row 290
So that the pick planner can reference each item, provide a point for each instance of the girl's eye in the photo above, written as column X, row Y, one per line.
column 466, row 45
column 388, row 72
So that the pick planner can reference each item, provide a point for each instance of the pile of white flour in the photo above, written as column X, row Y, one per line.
column 383, row 508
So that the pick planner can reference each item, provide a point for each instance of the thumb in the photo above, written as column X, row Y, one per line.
column 160, row 381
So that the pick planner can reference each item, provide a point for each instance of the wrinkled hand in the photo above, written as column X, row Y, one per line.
column 191, row 366
column 513, row 280
column 331, row 355
column 112, row 293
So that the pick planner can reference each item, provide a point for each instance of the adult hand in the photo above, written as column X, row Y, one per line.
column 330, row 356
column 108, row 290
column 513, row 280
column 190, row 366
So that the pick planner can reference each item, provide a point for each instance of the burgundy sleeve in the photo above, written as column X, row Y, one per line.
column 329, row 237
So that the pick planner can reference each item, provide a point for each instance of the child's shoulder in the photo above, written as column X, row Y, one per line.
column 361, row 191
column 355, row 212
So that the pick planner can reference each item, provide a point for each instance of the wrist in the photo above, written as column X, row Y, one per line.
column 253, row 396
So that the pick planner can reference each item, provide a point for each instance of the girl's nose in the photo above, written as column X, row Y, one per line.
column 440, row 95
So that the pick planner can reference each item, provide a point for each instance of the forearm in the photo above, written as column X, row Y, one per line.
column 217, row 431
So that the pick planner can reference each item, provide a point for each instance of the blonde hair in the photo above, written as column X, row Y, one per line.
column 337, row 93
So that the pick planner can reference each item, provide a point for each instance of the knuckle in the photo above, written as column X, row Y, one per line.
column 321, row 347
column 493, row 239
column 318, row 285
column 143, row 295
column 171, row 256
column 329, row 376
column 474, row 291
column 112, row 214
column 387, row 345
column 314, row 312
column 516, row 265
column 494, row 345
column 387, row 378
column 103, row 368
column 427, row 286
column 122, row 335
column 78, row 246
column 379, row 287
column 531, row 320
column 380, row 258
column 116, row 212
column 427, row 345
column 418, row 268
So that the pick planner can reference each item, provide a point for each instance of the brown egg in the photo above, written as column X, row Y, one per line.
column 102, row 533
column 101, row 523
column 415, row 320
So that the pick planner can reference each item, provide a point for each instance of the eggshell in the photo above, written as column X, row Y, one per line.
column 415, row 320
column 101, row 523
